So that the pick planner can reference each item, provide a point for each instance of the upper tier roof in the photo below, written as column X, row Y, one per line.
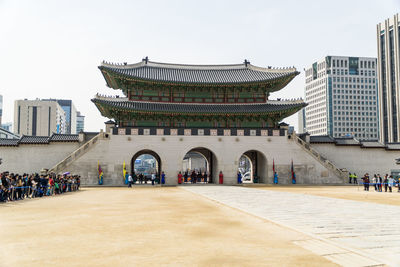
column 196, row 74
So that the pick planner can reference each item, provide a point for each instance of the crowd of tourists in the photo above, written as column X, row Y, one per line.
column 193, row 177
column 379, row 183
column 15, row 187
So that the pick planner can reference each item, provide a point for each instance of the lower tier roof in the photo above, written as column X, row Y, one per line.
column 248, row 108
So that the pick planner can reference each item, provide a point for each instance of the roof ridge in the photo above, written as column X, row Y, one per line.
column 155, row 64
column 272, row 102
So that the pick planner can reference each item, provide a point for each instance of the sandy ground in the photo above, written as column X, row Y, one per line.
column 142, row 227
column 343, row 192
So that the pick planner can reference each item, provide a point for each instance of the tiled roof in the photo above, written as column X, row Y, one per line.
column 34, row 139
column 39, row 139
column 321, row 139
column 347, row 141
column 198, row 74
column 393, row 146
column 8, row 142
column 269, row 106
column 64, row 137
column 370, row 144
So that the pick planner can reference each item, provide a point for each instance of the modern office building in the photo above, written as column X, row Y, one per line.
column 342, row 97
column 6, row 126
column 70, row 113
column 1, row 108
column 38, row 118
column 80, row 122
column 388, row 39
column 301, row 121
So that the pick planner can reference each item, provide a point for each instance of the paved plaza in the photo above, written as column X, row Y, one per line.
column 350, row 233
column 202, row 226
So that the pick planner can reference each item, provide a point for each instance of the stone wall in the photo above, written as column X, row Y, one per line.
column 359, row 160
column 31, row 158
column 112, row 151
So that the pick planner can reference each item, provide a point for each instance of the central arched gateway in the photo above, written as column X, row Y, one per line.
column 157, row 166
column 200, row 160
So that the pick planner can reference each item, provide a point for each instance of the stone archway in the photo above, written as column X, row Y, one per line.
column 210, row 163
column 258, row 169
column 147, row 152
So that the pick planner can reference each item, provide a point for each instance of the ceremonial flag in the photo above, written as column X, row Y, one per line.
column 124, row 173
column 273, row 165
column 275, row 174
column 293, row 174
column 100, row 178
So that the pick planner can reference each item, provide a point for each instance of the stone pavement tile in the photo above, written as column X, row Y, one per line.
column 319, row 247
column 352, row 225
column 352, row 260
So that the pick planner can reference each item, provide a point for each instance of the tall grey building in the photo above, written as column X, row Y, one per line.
column 70, row 114
column 388, row 39
column 38, row 118
column 342, row 93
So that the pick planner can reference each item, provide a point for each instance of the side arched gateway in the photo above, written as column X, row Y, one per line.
column 253, row 166
column 146, row 162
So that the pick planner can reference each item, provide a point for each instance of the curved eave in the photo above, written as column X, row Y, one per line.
column 110, row 75
column 157, row 108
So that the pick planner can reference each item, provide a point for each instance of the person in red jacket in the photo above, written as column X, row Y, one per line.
column 221, row 178
column 179, row 178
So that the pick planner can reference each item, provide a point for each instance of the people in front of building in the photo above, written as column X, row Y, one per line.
column 130, row 180
column 355, row 178
column 205, row 177
column 239, row 177
column 375, row 182
column 386, row 182
column 275, row 178
column 380, row 181
column 179, row 178
column 390, row 183
column 366, row 182
column 18, row 187
column 185, row 177
column 153, row 178
column 221, row 177
column 162, row 178
column 350, row 177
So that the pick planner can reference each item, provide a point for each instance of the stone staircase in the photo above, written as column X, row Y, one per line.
column 325, row 162
column 62, row 165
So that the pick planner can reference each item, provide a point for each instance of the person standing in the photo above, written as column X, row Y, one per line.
column 380, row 181
column 239, row 178
column 205, row 177
column 221, row 177
column 390, row 183
column 350, row 177
column 385, row 182
column 355, row 178
column 130, row 180
column 374, row 182
column 275, row 178
column 185, row 177
column 153, row 178
column 162, row 178
column 179, row 178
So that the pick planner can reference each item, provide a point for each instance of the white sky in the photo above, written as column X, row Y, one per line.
column 51, row 49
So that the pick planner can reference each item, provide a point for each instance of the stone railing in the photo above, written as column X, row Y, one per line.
column 329, row 165
column 76, row 154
